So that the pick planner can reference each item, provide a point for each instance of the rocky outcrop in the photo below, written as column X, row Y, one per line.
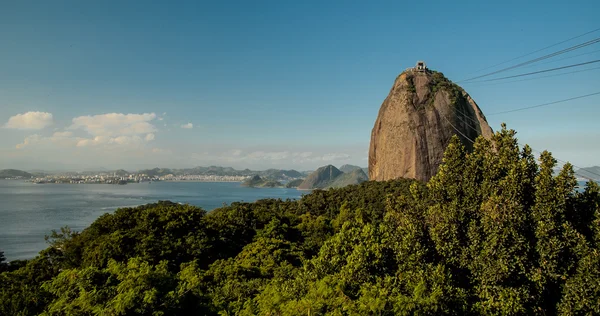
column 415, row 123
column 320, row 178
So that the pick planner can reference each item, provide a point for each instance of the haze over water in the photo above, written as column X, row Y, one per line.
column 30, row 211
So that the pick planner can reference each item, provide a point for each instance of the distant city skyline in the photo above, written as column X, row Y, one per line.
column 272, row 84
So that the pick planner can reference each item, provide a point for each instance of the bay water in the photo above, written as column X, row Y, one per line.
column 30, row 211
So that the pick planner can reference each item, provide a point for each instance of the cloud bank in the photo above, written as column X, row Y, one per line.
column 30, row 120
column 115, row 124
column 111, row 129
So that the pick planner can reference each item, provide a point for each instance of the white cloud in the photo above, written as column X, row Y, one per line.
column 29, row 140
column 188, row 125
column 62, row 134
column 236, row 153
column 115, row 124
column 305, row 154
column 126, row 140
column 64, row 139
column 276, row 155
column 98, row 140
column 115, row 129
column 30, row 120
column 335, row 157
column 129, row 141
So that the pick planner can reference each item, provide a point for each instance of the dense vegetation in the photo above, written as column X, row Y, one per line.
column 492, row 233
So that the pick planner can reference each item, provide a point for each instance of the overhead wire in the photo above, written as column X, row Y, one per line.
column 536, row 106
column 563, row 51
column 458, row 131
column 520, row 144
column 539, row 50
column 532, row 73
column 561, row 59
column 540, row 71
column 546, row 104
column 485, row 83
column 565, row 162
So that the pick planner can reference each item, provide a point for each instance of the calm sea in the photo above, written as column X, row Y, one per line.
column 30, row 211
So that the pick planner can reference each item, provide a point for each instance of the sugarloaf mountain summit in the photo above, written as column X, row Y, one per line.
column 416, row 121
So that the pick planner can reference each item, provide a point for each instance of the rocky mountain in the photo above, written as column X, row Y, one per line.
column 258, row 182
column 589, row 173
column 320, row 178
column 357, row 176
column 415, row 123
column 14, row 174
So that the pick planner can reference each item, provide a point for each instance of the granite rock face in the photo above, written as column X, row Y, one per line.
column 415, row 123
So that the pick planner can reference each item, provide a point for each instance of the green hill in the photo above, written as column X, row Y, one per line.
column 258, row 182
column 121, row 172
column 14, row 174
column 294, row 183
column 356, row 176
column 330, row 177
column 349, row 168
column 321, row 178
column 156, row 172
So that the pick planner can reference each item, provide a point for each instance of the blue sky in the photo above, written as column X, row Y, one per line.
column 270, row 83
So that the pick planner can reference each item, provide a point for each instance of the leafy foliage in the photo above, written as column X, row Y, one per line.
column 492, row 233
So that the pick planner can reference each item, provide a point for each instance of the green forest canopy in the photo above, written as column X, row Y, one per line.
column 493, row 232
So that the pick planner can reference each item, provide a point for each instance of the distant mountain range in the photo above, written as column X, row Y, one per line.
column 324, row 177
column 274, row 174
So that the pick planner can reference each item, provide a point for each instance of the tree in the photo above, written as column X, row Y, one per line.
column 492, row 233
